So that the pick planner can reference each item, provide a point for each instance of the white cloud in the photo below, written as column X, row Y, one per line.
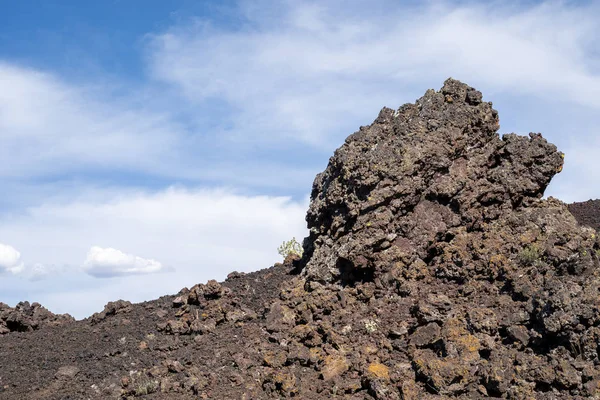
column 10, row 259
column 201, row 234
column 291, row 78
column 313, row 72
column 40, row 271
column 108, row 262
column 310, row 66
column 49, row 126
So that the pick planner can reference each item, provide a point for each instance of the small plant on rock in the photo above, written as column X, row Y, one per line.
column 370, row 326
column 145, row 387
column 529, row 255
column 290, row 247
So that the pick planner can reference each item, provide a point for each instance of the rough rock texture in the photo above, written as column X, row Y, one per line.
column 416, row 174
column 587, row 213
column 126, row 352
column 433, row 270
column 430, row 229
column 25, row 317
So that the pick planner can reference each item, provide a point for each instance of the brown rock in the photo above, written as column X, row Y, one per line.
column 426, row 335
column 67, row 372
column 334, row 366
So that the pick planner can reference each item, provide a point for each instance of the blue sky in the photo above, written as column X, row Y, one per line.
column 151, row 145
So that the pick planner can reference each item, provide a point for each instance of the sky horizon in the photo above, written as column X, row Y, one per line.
column 149, row 146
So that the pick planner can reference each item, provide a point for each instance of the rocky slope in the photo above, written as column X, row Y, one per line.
column 587, row 213
column 433, row 269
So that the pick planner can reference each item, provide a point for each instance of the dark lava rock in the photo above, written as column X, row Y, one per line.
column 587, row 213
column 413, row 177
column 25, row 317
column 433, row 269
column 429, row 217
column 110, row 309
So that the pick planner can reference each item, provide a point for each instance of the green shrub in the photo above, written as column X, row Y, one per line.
column 290, row 247
column 529, row 255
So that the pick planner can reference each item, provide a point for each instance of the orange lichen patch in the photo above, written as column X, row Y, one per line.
column 453, row 329
column 274, row 359
column 333, row 366
column 379, row 370
column 466, row 345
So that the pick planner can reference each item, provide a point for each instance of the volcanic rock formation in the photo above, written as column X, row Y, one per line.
column 433, row 266
column 403, row 184
column 27, row 317
column 433, row 269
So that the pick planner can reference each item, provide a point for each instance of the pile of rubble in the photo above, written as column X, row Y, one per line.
column 25, row 317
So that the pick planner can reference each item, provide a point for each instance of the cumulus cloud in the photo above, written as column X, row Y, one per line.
column 10, row 259
column 109, row 262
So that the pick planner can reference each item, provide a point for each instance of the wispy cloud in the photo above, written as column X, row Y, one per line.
column 305, row 69
column 310, row 73
column 50, row 127
column 55, row 129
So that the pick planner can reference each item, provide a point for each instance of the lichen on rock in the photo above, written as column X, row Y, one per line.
column 431, row 224
column 401, row 184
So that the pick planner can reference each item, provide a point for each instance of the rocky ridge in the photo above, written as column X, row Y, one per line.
column 433, row 269
column 587, row 213
column 25, row 317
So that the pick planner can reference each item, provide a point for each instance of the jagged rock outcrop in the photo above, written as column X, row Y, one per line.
column 25, row 317
column 414, row 175
column 434, row 267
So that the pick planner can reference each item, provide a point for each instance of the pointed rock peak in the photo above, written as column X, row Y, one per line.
column 401, row 184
